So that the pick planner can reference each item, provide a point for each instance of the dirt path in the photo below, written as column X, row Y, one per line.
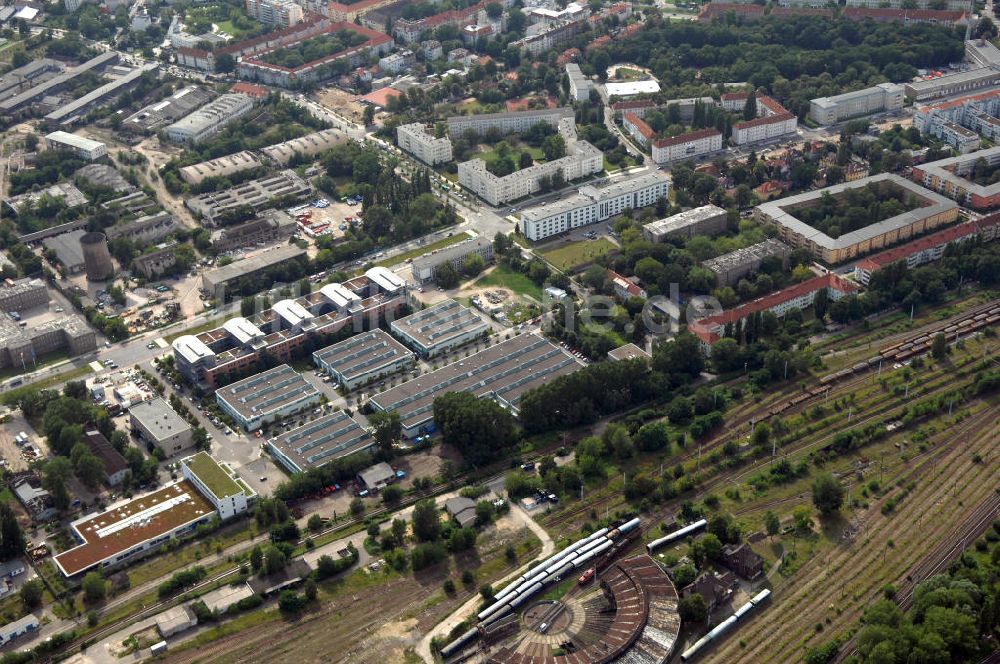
column 445, row 626
column 837, row 585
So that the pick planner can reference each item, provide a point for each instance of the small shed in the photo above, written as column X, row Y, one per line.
column 462, row 510
column 296, row 571
column 13, row 630
column 377, row 477
column 175, row 620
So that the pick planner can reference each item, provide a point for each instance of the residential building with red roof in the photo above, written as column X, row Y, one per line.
column 772, row 119
column 951, row 178
column 625, row 287
column 801, row 11
column 930, row 247
column 687, row 146
column 710, row 329
column 567, row 56
column 717, row 9
column 599, row 42
column 890, row 15
column 638, row 128
column 249, row 89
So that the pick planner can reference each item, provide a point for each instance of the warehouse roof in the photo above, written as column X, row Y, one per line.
column 362, row 354
column 320, row 442
column 439, row 324
column 264, row 259
column 74, row 141
column 266, row 392
column 157, row 417
column 305, row 146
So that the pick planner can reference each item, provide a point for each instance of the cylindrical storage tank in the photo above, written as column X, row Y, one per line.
column 96, row 257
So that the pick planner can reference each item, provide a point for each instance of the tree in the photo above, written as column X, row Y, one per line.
column 290, row 602
column 426, row 520
column 939, row 347
column 554, row 147
column 224, row 63
column 392, row 494
column 274, row 560
column 357, row 507
column 386, row 429
column 31, row 594
column 368, row 115
column 398, row 529
column 473, row 265
column 315, row 523
column 94, row 587
column 55, row 475
column 772, row 523
column 481, row 429
column 827, row 494
column 11, row 538
column 750, row 107
column 311, row 591
column 256, row 558
column 90, row 470
column 446, row 275
column 692, row 608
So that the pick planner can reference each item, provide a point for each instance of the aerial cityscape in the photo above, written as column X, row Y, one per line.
column 500, row 331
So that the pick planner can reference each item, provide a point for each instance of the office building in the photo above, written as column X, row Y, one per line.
column 426, row 267
column 219, row 483
column 928, row 248
column 214, row 358
column 266, row 397
column 159, row 114
column 800, row 296
column 417, row 141
column 877, row 99
column 503, row 371
column 23, row 294
column 319, row 442
column 686, row 146
column 270, row 227
column 218, row 279
column 506, row 123
column 78, row 145
column 951, row 177
column 304, row 146
column 256, row 194
column 579, row 85
column 156, row 423
column 210, row 119
column 952, row 84
column 24, row 346
column 440, row 328
column 132, row 528
column 730, row 268
column 220, row 167
column 592, row 204
column 363, row 359
column 704, row 220
column 282, row 13
column 934, row 210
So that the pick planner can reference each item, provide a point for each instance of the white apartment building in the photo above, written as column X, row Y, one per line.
column 876, row 99
column 763, row 129
column 960, row 122
column 506, row 123
column 687, row 146
column 593, row 204
column 275, row 12
column 579, row 85
column 416, row 140
column 210, row 119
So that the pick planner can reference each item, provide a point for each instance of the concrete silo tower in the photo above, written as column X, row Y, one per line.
column 96, row 257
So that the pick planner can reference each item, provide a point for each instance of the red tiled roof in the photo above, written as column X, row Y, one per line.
column 714, row 9
column 640, row 125
column 635, row 103
column 600, row 41
column 801, row 11
column 769, row 119
column 375, row 38
column 631, row 29
column 568, row 55
column 249, row 89
column 886, row 13
column 735, row 96
column 630, row 286
column 770, row 104
column 922, row 244
column 686, row 138
column 304, row 26
column 961, row 101
column 705, row 328
column 381, row 96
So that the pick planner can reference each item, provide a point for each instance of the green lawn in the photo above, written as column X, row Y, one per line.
column 627, row 74
column 490, row 156
column 420, row 251
column 574, row 254
column 505, row 277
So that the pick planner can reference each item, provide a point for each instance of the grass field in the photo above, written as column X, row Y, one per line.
column 420, row 251
column 504, row 277
column 574, row 254
column 626, row 74
column 490, row 156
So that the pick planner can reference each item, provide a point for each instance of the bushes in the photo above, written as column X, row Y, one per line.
column 427, row 554
column 181, row 580
column 327, row 566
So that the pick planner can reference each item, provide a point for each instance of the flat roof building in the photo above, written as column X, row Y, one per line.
column 78, row 145
column 220, row 167
column 266, row 397
column 55, row 84
column 426, row 267
column 209, row 119
column 219, row 484
column 877, row 99
column 506, row 123
column 440, row 328
column 68, row 114
column 417, row 141
column 157, row 423
column 271, row 226
column 934, row 210
column 377, row 477
column 704, row 220
column 952, row 84
column 730, row 268
column 159, row 114
column 504, row 371
column 220, row 277
column 363, row 358
column 66, row 192
column 628, row 352
column 253, row 193
column 319, row 442
column 951, row 177
column 579, row 85
column 23, row 294
column 628, row 89
column 592, row 204
column 130, row 528
column 21, row 347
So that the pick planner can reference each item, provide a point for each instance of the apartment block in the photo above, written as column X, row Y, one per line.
column 950, row 177
column 592, row 204
column 506, row 123
column 730, row 268
column 579, row 85
column 704, row 220
column 959, row 122
column 281, row 13
column 687, row 146
column 417, row 141
column 772, row 120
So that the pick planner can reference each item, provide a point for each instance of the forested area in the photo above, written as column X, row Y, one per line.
column 795, row 58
